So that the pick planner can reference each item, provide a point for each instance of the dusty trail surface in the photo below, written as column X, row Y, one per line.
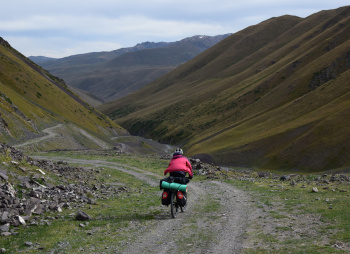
column 215, row 220
column 50, row 133
column 56, row 132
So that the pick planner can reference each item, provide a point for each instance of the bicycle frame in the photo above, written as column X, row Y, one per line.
column 173, row 188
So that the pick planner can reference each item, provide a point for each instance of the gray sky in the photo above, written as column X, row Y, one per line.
column 61, row 28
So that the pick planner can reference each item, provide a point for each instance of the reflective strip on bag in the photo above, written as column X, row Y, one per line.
column 165, row 195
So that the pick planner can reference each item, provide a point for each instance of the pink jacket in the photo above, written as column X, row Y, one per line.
column 179, row 163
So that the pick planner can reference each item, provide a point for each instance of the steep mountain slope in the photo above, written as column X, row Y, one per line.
column 273, row 95
column 32, row 100
column 111, row 75
column 88, row 97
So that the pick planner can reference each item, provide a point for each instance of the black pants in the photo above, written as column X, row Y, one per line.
column 178, row 174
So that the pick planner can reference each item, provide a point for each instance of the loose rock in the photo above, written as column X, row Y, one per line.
column 28, row 243
column 285, row 178
column 5, row 228
column 82, row 216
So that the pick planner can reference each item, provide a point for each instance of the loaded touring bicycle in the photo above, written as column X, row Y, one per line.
column 174, row 193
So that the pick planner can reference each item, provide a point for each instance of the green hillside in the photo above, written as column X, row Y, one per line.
column 32, row 100
column 273, row 95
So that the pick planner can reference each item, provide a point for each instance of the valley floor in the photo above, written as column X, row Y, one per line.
column 223, row 218
column 228, row 211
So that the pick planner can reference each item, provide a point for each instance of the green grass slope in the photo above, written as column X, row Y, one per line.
column 273, row 95
column 31, row 100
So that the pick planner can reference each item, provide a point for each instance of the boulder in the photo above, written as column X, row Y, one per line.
column 34, row 206
column 21, row 220
column 8, row 188
column 35, row 194
column 5, row 228
column 293, row 183
column 82, row 216
column 285, row 178
column 263, row 174
column 3, row 176
column 4, row 217
column 28, row 243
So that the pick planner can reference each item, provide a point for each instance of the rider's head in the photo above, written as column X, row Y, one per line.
column 179, row 151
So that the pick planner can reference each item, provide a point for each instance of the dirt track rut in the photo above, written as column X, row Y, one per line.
column 215, row 221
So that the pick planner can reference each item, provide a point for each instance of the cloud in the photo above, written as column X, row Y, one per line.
column 59, row 28
column 58, row 47
column 145, row 26
column 73, row 35
column 104, row 26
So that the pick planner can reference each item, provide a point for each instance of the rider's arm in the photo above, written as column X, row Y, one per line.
column 188, row 164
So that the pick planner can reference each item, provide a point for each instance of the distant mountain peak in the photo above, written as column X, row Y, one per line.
column 40, row 59
column 111, row 75
column 149, row 45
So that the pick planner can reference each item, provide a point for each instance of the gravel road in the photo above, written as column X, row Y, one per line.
column 215, row 221
column 50, row 133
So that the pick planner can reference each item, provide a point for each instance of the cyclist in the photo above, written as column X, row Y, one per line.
column 179, row 165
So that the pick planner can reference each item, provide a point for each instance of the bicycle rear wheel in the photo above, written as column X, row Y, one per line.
column 173, row 205
column 183, row 208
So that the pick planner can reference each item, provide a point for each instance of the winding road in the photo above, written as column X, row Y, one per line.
column 51, row 133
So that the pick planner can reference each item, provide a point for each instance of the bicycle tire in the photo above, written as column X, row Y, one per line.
column 183, row 208
column 173, row 205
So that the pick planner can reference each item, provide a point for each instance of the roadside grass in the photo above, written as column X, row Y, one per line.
column 111, row 226
column 150, row 164
column 147, row 163
column 115, row 219
column 299, row 220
